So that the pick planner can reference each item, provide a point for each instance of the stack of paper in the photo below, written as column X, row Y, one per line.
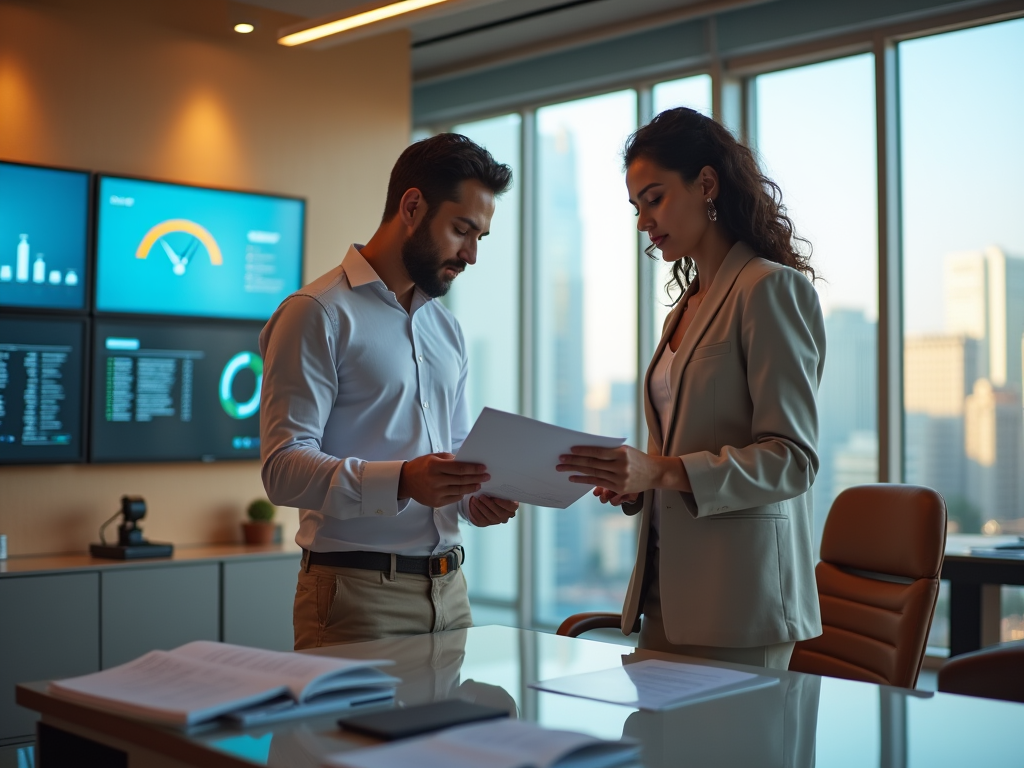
column 204, row 680
column 496, row 744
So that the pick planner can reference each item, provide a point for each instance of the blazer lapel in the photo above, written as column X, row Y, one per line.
column 735, row 260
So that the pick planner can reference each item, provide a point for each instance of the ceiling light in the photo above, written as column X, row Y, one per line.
column 354, row 21
column 244, row 28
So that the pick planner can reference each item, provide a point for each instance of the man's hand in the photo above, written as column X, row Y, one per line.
column 486, row 510
column 436, row 479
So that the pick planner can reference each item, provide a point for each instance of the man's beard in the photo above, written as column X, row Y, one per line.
column 422, row 259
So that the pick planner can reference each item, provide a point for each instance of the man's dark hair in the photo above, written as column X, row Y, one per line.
column 436, row 166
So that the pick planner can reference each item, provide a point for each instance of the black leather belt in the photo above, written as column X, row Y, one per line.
column 437, row 565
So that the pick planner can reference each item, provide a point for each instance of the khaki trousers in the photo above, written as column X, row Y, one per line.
column 349, row 605
column 652, row 636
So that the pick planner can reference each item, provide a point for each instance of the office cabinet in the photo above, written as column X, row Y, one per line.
column 157, row 608
column 49, row 628
column 68, row 615
column 258, row 597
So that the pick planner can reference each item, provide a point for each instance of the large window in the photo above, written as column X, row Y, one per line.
column 485, row 299
column 952, row 127
column 824, row 160
column 961, row 121
column 586, row 340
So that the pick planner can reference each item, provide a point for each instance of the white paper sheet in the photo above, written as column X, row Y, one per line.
column 501, row 743
column 521, row 454
column 656, row 685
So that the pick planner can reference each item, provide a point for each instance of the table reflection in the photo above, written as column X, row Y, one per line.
column 770, row 727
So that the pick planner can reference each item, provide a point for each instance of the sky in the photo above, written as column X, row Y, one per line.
column 816, row 139
column 962, row 125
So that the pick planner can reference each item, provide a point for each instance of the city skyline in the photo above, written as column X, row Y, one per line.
column 963, row 395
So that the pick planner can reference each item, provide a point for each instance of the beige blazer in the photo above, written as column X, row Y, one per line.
column 736, row 565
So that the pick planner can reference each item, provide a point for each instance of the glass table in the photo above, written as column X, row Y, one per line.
column 805, row 720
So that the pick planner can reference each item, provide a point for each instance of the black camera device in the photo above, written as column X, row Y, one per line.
column 130, row 543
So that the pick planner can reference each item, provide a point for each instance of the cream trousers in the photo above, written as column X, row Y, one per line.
column 349, row 605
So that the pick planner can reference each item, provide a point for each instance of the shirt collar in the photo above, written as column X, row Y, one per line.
column 359, row 272
column 357, row 269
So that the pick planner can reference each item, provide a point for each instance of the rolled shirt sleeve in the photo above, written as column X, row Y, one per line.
column 300, row 384
column 783, row 340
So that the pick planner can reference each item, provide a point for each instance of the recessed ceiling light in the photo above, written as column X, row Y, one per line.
column 243, row 28
column 372, row 16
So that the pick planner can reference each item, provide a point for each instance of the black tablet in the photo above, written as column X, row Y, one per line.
column 404, row 722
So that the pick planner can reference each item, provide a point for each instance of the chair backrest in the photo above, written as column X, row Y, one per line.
column 878, row 579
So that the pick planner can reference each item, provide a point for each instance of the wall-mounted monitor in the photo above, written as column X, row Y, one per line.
column 42, row 390
column 44, row 236
column 170, row 249
column 175, row 391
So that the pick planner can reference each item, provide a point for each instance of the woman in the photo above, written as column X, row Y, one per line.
column 724, row 566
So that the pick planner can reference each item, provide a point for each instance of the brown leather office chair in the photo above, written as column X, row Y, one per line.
column 881, row 553
column 878, row 579
column 992, row 673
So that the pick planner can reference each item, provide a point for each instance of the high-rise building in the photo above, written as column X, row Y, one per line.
column 984, row 300
column 856, row 462
column 994, row 432
column 560, row 271
column 847, row 400
column 560, row 346
column 939, row 372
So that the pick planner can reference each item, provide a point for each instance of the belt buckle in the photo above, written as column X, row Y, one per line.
column 441, row 565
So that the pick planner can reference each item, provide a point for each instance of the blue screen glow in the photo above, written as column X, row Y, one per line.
column 44, row 216
column 175, row 250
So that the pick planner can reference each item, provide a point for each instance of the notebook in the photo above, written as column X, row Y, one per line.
column 204, row 680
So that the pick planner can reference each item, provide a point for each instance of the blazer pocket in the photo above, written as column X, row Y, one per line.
column 746, row 516
column 711, row 350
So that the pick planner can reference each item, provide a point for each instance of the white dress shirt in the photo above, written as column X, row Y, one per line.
column 354, row 386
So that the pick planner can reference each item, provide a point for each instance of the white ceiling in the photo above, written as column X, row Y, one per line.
column 483, row 33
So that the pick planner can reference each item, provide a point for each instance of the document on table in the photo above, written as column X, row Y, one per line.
column 520, row 455
column 655, row 685
column 496, row 744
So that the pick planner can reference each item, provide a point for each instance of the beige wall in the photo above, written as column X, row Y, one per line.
column 168, row 92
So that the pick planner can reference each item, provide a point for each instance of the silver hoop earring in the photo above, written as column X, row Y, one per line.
column 712, row 211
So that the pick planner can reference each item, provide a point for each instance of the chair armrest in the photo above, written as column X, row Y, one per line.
column 578, row 623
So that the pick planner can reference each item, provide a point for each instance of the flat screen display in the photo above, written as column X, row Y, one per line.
column 169, row 249
column 175, row 391
column 44, row 223
column 42, row 386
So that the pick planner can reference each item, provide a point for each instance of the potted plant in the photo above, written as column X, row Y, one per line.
column 260, row 528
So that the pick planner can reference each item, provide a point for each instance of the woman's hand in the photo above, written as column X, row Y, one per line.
column 624, row 470
column 621, row 470
column 613, row 498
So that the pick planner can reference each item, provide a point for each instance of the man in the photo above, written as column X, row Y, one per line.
column 363, row 407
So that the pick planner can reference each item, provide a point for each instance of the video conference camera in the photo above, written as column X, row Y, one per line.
column 130, row 543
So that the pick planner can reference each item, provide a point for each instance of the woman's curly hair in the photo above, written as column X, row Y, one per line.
column 749, row 203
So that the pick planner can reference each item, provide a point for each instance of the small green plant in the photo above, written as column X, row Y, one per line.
column 261, row 511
